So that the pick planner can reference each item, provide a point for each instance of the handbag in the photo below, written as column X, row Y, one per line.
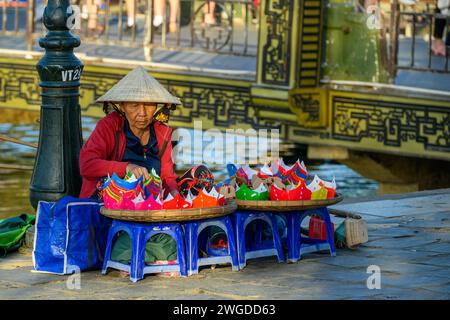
column 71, row 236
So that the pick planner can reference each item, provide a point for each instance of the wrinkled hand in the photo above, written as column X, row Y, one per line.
column 138, row 171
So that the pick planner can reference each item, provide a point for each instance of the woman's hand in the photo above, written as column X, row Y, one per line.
column 138, row 171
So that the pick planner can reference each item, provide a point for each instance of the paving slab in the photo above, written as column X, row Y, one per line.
column 413, row 258
column 402, row 207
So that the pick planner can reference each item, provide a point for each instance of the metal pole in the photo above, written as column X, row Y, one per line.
column 56, row 169
column 394, row 34
column 148, row 36
column 413, row 45
column 30, row 24
column 5, row 17
column 107, row 18
column 120, row 25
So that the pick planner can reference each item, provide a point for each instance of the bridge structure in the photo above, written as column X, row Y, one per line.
column 387, row 130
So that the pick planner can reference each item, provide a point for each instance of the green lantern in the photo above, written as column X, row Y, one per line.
column 245, row 193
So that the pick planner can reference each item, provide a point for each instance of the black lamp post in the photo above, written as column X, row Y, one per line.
column 56, row 169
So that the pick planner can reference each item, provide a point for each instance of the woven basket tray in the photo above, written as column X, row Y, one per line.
column 268, row 205
column 170, row 215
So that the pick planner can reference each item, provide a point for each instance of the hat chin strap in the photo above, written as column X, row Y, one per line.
column 116, row 108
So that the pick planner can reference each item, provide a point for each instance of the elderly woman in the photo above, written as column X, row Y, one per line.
column 129, row 139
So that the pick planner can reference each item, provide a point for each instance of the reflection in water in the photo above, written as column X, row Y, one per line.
column 14, row 184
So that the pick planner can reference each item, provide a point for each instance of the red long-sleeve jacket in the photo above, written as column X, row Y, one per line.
column 98, row 155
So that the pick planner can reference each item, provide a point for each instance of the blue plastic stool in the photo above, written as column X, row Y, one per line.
column 241, row 220
column 192, row 231
column 299, row 245
column 139, row 234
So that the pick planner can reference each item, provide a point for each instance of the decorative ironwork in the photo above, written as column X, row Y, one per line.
column 310, row 43
column 391, row 124
column 308, row 105
column 353, row 120
column 20, row 84
column 276, row 50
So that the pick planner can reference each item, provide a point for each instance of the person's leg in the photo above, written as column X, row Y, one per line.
column 121, row 250
column 160, row 7
column 437, row 45
column 254, row 11
column 131, row 9
column 174, row 7
column 92, row 12
column 209, row 8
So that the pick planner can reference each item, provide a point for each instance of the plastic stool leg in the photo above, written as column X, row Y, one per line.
column 191, row 257
column 276, row 239
column 301, row 217
column 178, row 235
column 107, row 255
column 240, row 239
column 293, row 236
column 330, row 238
column 137, row 254
column 115, row 228
column 231, row 244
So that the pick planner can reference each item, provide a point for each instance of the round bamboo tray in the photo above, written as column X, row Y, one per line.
column 268, row 205
column 175, row 215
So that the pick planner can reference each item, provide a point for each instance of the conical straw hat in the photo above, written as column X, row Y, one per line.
column 138, row 86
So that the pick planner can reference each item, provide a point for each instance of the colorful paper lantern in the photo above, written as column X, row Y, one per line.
column 281, row 170
column 321, row 189
column 119, row 193
column 318, row 190
column 265, row 172
column 206, row 199
column 151, row 203
column 277, row 194
column 123, row 203
column 298, row 172
column 304, row 192
column 290, row 192
column 152, row 186
column 293, row 173
column 246, row 173
column 177, row 202
column 245, row 193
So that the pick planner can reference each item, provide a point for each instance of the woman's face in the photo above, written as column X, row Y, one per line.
column 139, row 114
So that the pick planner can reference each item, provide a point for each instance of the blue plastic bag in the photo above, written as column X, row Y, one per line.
column 70, row 236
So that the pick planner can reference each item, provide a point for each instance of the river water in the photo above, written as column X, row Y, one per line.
column 14, row 184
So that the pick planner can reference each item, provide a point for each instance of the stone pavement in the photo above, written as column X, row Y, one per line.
column 409, row 240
